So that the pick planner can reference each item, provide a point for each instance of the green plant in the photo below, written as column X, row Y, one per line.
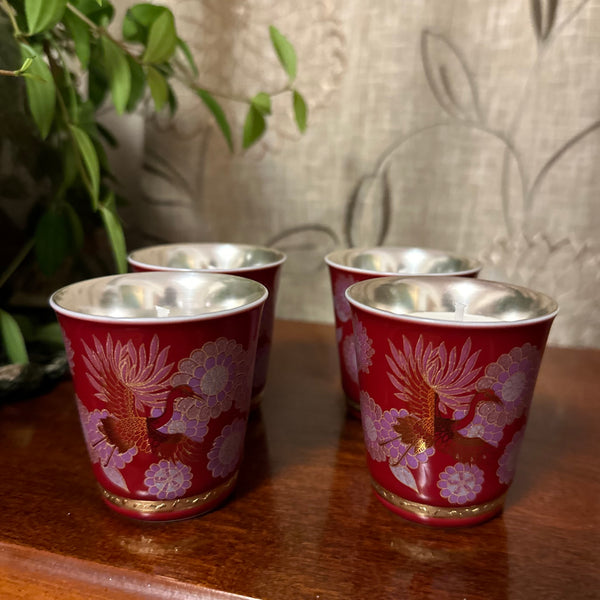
column 56, row 42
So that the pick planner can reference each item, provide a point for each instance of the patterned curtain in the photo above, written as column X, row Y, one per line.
column 463, row 125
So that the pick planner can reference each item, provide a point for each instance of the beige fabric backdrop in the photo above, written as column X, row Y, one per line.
column 466, row 125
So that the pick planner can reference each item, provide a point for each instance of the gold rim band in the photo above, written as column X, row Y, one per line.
column 176, row 505
column 438, row 512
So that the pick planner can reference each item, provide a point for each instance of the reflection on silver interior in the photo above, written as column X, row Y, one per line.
column 453, row 298
column 403, row 261
column 218, row 257
column 159, row 294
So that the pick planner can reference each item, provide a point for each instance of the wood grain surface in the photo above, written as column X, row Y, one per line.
column 303, row 522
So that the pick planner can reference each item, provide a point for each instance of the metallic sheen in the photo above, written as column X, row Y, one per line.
column 402, row 261
column 472, row 299
column 439, row 512
column 206, row 257
column 171, row 506
column 166, row 295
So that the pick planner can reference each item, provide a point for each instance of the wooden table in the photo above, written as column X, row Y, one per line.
column 303, row 523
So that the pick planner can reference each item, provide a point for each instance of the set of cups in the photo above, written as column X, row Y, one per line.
column 168, row 361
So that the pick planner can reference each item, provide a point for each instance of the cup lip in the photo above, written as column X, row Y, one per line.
column 333, row 260
column 136, row 262
column 452, row 324
column 81, row 316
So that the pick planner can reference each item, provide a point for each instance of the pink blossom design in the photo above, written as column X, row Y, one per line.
column 460, row 483
column 167, row 479
column 399, row 452
column 219, row 374
column 340, row 304
column 512, row 379
column 507, row 463
column 427, row 372
column 127, row 379
column 227, row 449
column 488, row 423
column 188, row 418
column 349, row 353
column 363, row 347
column 371, row 415
column 100, row 449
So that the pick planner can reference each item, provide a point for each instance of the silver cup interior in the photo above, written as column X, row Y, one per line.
column 403, row 261
column 206, row 257
column 456, row 298
column 158, row 295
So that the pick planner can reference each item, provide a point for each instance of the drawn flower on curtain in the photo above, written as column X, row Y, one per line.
column 520, row 254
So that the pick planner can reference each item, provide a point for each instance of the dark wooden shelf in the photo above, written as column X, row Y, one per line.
column 303, row 523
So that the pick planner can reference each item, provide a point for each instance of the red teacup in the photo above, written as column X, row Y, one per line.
column 448, row 368
column 358, row 264
column 162, row 368
column 255, row 262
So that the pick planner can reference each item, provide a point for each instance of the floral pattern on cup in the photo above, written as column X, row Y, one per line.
column 460, row 483
column 340, row 304
column 136, row 379
column 508, row 461
column 349, row 352
column 512, row 378
column 448, row 404
column 101, row 450
column 188, row 418
column 383, row 439
column 432, row 380
column 488, row 423
column 217, row 373
column 226, row 452
column 149, row 412
column 363, row 346
column 168, row 479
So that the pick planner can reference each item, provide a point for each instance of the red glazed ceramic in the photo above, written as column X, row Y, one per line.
column 447, row 368
column 255, row 262
column 358, row 264
column 162, row 368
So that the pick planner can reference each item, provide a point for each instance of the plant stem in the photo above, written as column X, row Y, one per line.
column 9, row 73
column 17, row 260
column 10, row 12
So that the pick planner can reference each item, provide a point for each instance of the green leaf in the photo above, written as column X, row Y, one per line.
column 50, row 334
column 23, row 68
column 285, row 51
column 41, row 90
column 300, row 111
column 162, row 39
column 254, row 126
column 262, row 103
column 43, row 14
column 77, row 235
column 52, row 241
column 158, row 88
column 117, row 71
column 12, row 339
column 89, row 157
column 100, row 13
column 81, row 37
column 138, row 84
column 188, row 55
column 115, row 233
column 138, row 19
column 215, row 108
